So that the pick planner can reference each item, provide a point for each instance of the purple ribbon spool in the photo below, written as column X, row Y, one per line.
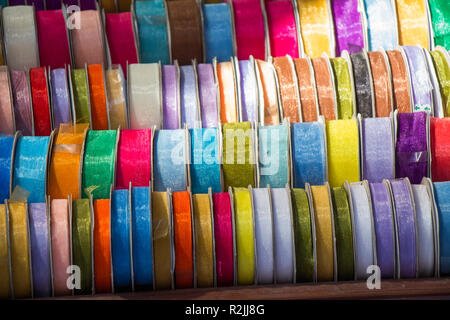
column 411, row 147
column 38, row 4
column 208, row 95
column 347, row 26
column 60, row 97
column 406, row 228
column 22, row 102
column 84, row 4
column 170, row 97
column 384, row 229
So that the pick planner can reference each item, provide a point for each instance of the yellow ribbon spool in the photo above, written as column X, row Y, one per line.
column 343, row 151
column 5, row 285
column 245, row 245
column 116, row 98
column 413, row 23
column 203, row 240
column 324, row 233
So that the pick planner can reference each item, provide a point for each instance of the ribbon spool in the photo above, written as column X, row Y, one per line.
column 442, row 67
column 20, row 36
column 162, row 240
column 99, row 162
column 51, row 29
column 5, row 274
column 289, row 92
column 344, row 235
column 308, row 154
column 343, row 151
column 23, row 111
column 145, row 96
column 134, row 158
column 19, row 246
column 425, row 232
column 227, row 91
column 248, row 90
column 182, row 228
column 413, row 23
column 440, row 144
column 102, row 245
column 6, row 103
column 142, row 237
column 306, row 85
column 82, row 243
column 325, row 88
column 121, row 240
column 264, row 238
column 30, row 167
column 115, row 85
column 245, row 245
column 363, row 84
column 97, row 92
column 284, row 238
column 442, row 197
column 363, row 229
column 61, row 246
column 411, row 146
column 381, row 84
column 204, row 251
column 109, row 6
column 124, row 5
column 208, row 95
column 152, row 30
column 121, row 41
column 406, row 226
column 238, row 158
column 40, row 249
column 440, row 13
column 205, row 162
column 381, row 24
column 347, row 26
column 269, row 111
column 273, row 155
column 81, row 97
column 377, row 149
column 190, row 109
column 84, row 4
column 6, row 158
column 88, row 40
column 315, row 26
column 250, row 29
column 400, row 81
column 62, row 110
column 303, row 236
column 41, row 102
column 420, row 79
column 344, row 88
column 185, row 31
column 171, row 104
column 169, row 160
column 65, row 164
column 282, row 28
column 38, row 4
column 324, row 233
column 218, row 31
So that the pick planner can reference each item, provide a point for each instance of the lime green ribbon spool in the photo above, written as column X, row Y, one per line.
column 98, row 166
column 81, row 96
column 344, row 88
column 81, row 243
column 443, row 74
column 303, row 236
column 344, row 235
column 440, row 19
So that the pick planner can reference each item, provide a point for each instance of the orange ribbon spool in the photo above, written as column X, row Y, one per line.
column 381, row 83
column 306, row 87
column 400, row 82
column 98, row 97
column 102, row 246
column 325, row 90
column 227, row 90
column 270, row 94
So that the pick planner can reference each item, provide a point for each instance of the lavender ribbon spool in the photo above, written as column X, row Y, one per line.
column 189, row 98
column 171, row 113
column 60, row 97
column 384, row 229
column 22, row 102
column 249, row 91
column 411, row 148
column 208, row 95
column 378, row 149
column 40, row 249
column 347, row 26
column 422, row 88
column 406, row 228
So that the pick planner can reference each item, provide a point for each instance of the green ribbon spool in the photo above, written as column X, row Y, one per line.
column 344, row 236
column 303, row 236
column 440, row 19
column 344, row 92
column 443, row 75
column 80, row 95
column 81, row 243
column 98, row 166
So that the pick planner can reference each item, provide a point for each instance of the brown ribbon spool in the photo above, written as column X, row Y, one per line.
column 400, row 82
column 124, row 5
column 325, row 93
column 381, row 84
column 290, row 102
column 306, row 88
column 185, row 31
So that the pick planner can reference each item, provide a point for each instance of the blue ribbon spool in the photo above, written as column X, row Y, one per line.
column 6, row 148
column 442, row 196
